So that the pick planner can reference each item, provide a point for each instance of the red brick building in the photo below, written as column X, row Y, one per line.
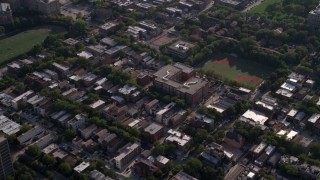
column 155, row 131
column 179, row 80
column 233, row 139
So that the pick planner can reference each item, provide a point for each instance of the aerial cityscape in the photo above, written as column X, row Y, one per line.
column 159, row 89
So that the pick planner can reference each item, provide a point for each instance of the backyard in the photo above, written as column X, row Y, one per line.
column 245, row 72
column 23, row 42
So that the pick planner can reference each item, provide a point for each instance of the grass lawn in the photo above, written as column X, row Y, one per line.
column 262, row 7
column 245, row 72
column 23, row 42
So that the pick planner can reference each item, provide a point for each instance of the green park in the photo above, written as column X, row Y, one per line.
column 23, row 42
column 261, row 8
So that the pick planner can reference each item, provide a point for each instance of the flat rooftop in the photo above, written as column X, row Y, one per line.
column 8, row 126
column 108, row 25
column 81, row 167
column 314, row 118
column 167, row 73
column 181, row 46
column 255, row 116
column 153, row 128
column 127, row 151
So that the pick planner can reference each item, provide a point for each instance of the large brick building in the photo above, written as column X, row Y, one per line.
column 233, row 139
column 154, row 131
column 179, row 80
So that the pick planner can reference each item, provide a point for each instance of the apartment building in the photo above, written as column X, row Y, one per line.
column 127, row 154
column 180, row 80
column 6, row 167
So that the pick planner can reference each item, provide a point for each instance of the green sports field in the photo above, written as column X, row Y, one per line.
column 262, row 7
column 245, row 72
column 23, row 42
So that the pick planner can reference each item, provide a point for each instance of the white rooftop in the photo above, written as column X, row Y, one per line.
column 288, row 86
column 292, row 112
column 309, row 81
column 282, row 132
column 97, row 104
column 244, row 89
column 314, row 118
column 81, row 167
column 291, row 134
column 218, row 109
column 50, row 148
column 284, row 92
column 255, row 116
column 178, row 137
column 265, row 105
column 85, row 54
column 250, row 175
column 162, row 159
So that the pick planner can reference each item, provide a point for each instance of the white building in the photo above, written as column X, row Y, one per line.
column 98, row 104
column 177, row 138
column 255, row 117
column 81, row 167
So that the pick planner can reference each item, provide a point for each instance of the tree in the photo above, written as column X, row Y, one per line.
column 69, row 134
column 200, row 148
column 65, row 169
column 2, row 30
column 48, row 160
column 290, row 169
column 193, row 166
column 25, row 127
column 33, row 151
column 79, row 28
column 315, row 150
column 10, row 178
column 91, row 98
column 12, row 139
column 20, row 87
column 92, row 40
column 200, row 136
column 158, row 150
column 36, row 49
column 255, row 133
column 207, row 173
column 25, row 176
